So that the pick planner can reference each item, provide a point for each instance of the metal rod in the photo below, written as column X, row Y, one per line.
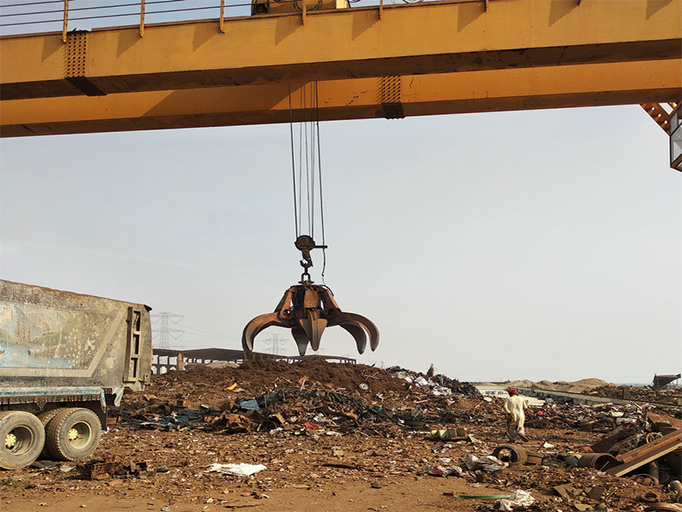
column 381, row 8
column 141, row 18
column 222, row 16
column 65, row 27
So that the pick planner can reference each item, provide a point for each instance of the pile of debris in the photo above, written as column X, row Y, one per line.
column 440, row 385
column 655, row 445
column 317, row 396
column 643, row 394
column 267, row 428
column 266, row 395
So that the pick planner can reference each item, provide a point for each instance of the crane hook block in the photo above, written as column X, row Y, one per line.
column 305, row 244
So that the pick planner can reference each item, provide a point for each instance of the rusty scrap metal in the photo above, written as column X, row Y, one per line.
column 115, row 467
column 666, row 441
column 676, row 487
column 647, row 453
column 307, row 309
column 600, row 461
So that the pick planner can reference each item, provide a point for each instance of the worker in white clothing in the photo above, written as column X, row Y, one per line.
column 514, row 406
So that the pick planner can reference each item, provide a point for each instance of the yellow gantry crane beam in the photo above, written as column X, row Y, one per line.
column 362, row 98
column 429, row 58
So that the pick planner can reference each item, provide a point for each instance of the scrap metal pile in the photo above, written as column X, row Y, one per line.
column 262, row 396
column 578, row 454
column 321, row 427
column 645, row 394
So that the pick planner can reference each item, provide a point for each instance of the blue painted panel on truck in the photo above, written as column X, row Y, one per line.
column 52, row 338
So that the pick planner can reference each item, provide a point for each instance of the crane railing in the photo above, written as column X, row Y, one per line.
column 40, row 16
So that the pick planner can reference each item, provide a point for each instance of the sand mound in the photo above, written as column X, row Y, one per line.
column 578, row 386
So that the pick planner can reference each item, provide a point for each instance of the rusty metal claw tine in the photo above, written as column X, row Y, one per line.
column 314, row 326
column 255, row 326
column 358, row 333
column 301, row 339
column 342, row 318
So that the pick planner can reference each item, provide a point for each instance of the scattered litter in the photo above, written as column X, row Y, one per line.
column 449, row 433
column 477, row 497
column 439, row 470
column 241, row 469
column 316, row 429
column 487, row 463
column 249, row 405
column 312, row 426
column 518, row 500
column 441, row 391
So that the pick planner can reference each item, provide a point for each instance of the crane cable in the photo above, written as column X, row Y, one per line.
column 307, row 168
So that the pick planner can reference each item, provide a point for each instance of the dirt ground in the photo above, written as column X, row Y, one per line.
column 332, row 437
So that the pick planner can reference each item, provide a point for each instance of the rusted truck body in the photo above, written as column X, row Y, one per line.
column 65, row 358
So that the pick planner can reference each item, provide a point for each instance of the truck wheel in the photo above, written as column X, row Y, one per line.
column 45, row 418
column 73, row 434
column 22, row 438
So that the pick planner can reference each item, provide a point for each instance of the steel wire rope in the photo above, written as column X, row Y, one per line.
column 304, row 151
column 302, row 159
column 309, row 163
column 306, row 164
column 293, row 161
column 300, row 171
column 319, row 180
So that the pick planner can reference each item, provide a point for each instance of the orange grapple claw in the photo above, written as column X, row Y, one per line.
column 308, row 309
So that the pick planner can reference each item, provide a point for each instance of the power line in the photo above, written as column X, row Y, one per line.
column 274, row 343
column 165, row 331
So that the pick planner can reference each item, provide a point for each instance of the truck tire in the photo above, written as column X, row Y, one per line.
column 511, row 453
column 45, row 418
column 73, row 434
column 22, row 438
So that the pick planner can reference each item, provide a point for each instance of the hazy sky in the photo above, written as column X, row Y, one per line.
column 539, row 245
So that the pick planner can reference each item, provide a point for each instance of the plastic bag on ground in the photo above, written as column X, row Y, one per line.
column 439, row 470
column 488, row 463
column 240, row 469
column 517, row 501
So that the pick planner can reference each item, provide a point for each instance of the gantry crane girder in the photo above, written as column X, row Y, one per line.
column 390, row 61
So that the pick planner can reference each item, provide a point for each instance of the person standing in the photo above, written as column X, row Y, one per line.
column 514, row 406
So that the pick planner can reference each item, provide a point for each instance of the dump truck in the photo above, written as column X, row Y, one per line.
column 65, row 360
